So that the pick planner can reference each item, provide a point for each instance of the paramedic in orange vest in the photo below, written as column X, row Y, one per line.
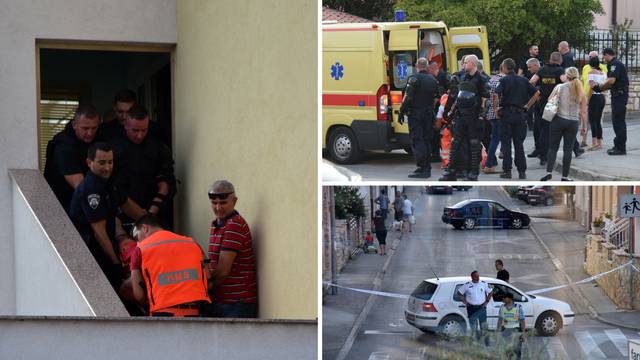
column 169, row 268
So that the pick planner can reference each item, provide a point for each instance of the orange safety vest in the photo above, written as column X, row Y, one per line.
column 172, row 267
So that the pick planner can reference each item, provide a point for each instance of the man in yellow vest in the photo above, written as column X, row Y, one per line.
column 510, row 320
column 170, row 267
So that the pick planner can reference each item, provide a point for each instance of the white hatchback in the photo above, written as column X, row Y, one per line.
column 436, row 305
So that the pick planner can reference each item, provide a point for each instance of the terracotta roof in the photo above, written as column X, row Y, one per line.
column 340, row 16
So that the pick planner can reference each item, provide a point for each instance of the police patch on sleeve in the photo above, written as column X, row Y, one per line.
column 94, row 200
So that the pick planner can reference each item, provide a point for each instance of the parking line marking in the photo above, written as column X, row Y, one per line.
column 588, row 345
column 381, row 332
column 618, row 339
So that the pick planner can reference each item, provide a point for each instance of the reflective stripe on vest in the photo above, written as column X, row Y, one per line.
column 172, row 265
column 510, row 318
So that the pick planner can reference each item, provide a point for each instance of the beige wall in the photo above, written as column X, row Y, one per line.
column 626, row 9
column 246, row 111
column 21, row 23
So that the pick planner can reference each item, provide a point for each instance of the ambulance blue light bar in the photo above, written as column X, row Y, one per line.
column 400, row 15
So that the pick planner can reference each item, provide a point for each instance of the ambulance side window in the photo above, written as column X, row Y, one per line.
column 403, row 66
column 431, row 47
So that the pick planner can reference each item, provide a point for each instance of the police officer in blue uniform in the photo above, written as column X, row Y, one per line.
column 517, row 94
column 618, row 82
column 94, row 205
column 418, row 104
column 470, row 91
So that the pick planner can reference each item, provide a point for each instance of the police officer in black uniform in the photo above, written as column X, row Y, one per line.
column 93, row 209
column 618, row 82
column 470, row 91
column 67, row 152
column 144, row 166
column 418, row 103
column 547, row 78
column 516, row 96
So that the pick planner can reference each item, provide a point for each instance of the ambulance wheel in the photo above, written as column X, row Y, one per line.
column 343, row 146
column 408, row 150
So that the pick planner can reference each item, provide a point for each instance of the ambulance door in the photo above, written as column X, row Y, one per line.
column 403, row 51
column 466, row 41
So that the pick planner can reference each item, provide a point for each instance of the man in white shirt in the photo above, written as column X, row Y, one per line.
column 407, row 212
column 476, row 295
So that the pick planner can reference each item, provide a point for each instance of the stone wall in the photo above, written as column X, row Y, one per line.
column 634, row 95
column 623, row 286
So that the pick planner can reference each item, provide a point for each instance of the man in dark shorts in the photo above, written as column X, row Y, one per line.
column 398, row 202
column 381, row 231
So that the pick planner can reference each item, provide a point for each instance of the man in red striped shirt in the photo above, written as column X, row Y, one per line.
column 232, row 286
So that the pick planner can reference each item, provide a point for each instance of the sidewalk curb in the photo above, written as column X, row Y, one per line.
column 558, row 265
column 587, row 175
column 377, row 284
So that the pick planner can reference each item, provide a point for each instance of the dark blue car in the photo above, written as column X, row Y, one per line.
column 470, row 214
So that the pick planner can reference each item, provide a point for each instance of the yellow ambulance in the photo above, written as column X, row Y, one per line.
column 365, row 67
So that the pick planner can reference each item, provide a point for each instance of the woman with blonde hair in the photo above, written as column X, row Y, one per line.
column 571, row 115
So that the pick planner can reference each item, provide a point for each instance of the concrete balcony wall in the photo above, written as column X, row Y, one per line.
column 158, row 338
column 55, row 274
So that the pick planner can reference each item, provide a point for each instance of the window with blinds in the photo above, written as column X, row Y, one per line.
column 55, row 113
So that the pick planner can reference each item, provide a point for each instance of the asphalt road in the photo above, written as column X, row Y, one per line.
column 435, row 247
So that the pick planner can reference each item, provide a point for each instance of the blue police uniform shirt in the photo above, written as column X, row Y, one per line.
column 514, row 90
column 93, row 200
column 618, row 71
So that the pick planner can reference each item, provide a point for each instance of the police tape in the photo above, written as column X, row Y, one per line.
column 583, row 281
column 533, row 292
column 372, row 292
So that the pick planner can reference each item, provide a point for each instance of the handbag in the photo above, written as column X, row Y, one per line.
column 551, row 108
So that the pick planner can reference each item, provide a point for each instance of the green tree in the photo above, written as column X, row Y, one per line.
column 348, row 202
column 376, row 10
column 513, row 25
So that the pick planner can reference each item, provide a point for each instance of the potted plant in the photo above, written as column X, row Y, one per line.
column 596, row 225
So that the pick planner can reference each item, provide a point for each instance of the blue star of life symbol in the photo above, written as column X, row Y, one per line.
column 337, row 71
column 402, row 70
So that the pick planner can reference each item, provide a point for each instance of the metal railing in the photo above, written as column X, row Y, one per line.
column 617, row 233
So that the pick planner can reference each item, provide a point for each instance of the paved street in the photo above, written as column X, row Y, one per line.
column 590, row 166
column 359, row 326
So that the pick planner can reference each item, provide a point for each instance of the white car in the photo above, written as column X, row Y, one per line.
column 436, row 305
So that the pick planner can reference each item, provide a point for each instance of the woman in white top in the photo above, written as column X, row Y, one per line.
column 572, row 113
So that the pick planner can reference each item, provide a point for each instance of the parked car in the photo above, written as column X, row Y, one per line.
column 462, row 188
column 435, row 305
column 523, row 192
column 481, row 212
column 439, row 189
column 541, row 195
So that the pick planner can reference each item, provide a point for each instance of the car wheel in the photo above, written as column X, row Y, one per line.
column 469, row 223
column 548, row 323
column 452, row 326
column 343, row 146
column 408, row 150
column 548, row 201
column 516, row 223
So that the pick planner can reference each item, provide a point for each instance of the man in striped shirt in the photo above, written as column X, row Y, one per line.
column 232, row 286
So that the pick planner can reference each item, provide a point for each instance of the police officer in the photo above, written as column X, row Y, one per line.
column 618, row 82
column 93, row 209
column 144, row 165
column 418, row 103
column 511, row 319
column 67, row 152
column 516, row 96
column 548, row 77
column 122, row 102
column 475, row 296
column 470, row 92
